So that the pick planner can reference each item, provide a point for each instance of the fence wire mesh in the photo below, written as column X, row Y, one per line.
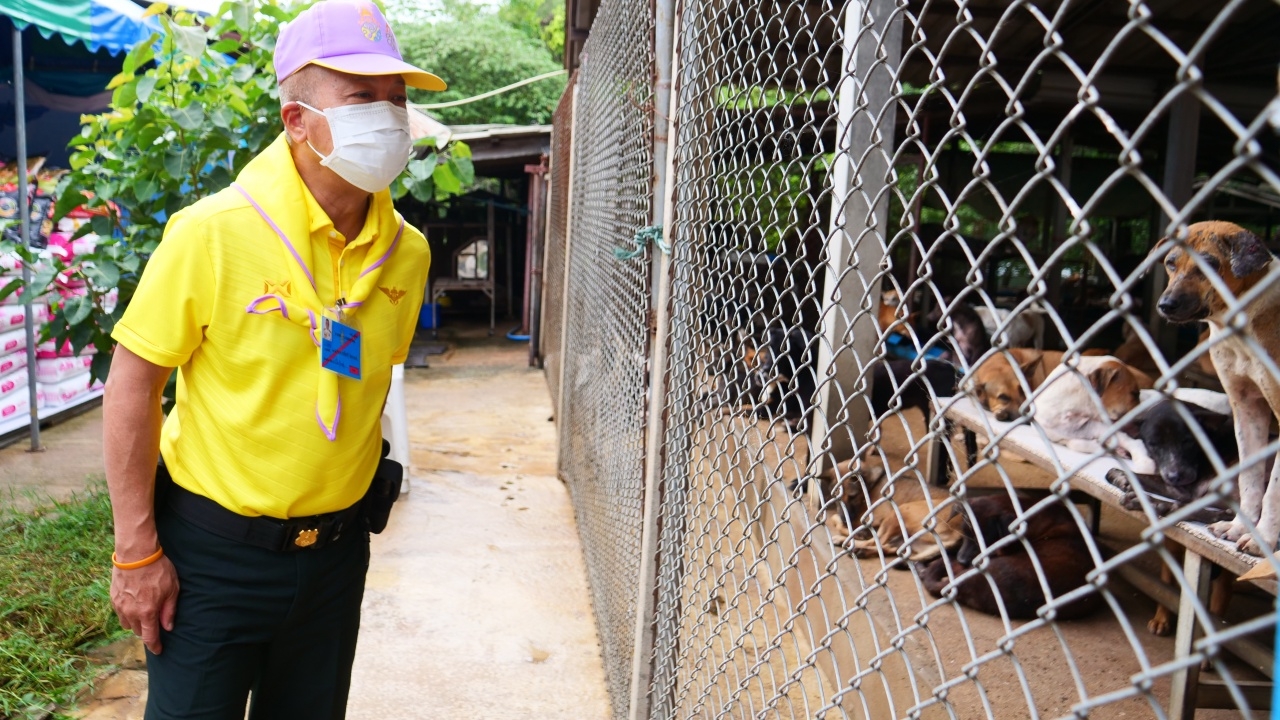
column 557, row 265
column 606, row 332
column 972, row 376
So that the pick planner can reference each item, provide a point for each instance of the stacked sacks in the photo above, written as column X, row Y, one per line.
column 14, row 397
column 62, row 374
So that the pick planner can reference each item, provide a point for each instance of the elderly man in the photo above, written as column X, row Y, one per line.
column 283, row 301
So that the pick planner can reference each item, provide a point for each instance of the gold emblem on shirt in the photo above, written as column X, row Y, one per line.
column 283, row 289
column 306, row 538
column 393, row 294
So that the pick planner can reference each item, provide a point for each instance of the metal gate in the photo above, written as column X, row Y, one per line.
column 957, row 394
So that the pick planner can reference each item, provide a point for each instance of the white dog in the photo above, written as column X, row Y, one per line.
column 1078, row 409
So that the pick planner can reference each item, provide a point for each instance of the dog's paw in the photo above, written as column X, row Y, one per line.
column 1130, row 501
column 1249, row 544
column 1117, row 477
column 1230, row 530
column 1160, row 626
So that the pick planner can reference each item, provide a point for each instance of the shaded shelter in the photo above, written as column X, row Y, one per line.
column 503, row 212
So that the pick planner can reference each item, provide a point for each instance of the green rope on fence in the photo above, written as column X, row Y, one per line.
column 643, row 236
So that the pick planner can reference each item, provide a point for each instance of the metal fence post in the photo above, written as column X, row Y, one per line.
column 561, row 392
column 664, row 110
column 872, row 41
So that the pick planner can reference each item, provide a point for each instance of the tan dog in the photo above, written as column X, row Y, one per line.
column 999, row 387
column 842, row 496
column 890, row 304
column 945, row 531
column 1241, row 261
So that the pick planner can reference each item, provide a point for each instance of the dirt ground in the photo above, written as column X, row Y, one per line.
column 753, row 536
column 71, row 458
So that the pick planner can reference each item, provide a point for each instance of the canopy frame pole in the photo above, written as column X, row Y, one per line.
column 24, row 219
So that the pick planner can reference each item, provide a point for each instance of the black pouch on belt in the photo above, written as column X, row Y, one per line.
column 383, row 491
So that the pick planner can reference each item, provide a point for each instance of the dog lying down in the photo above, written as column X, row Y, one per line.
column 911, row 524
column 1183, row 472
column 1080, row 407
column 849, row 501
column 1051, row 539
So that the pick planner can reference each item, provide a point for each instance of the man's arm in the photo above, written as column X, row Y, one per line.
column 144, row 598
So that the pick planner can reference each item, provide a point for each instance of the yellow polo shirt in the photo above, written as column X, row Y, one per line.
column 244, row 431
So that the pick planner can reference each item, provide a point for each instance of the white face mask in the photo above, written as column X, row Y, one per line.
column 371, row 143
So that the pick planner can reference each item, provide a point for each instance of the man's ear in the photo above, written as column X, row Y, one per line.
column 1248, row 254
column 291, row 116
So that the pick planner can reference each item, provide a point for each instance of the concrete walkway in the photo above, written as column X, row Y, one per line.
column 477, row 603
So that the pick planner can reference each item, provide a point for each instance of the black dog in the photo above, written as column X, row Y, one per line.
column 968, row 334
column 895, row 377
column 1185, row 472
column 1054, row 538
column 784, row 368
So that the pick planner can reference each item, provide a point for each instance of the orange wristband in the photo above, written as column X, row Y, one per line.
column 159, row 553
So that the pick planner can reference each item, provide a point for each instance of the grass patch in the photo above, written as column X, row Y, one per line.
column 55, row 603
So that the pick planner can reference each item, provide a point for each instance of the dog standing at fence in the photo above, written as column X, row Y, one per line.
column 1240, row 261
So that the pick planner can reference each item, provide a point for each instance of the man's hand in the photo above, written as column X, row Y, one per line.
column 145, row 598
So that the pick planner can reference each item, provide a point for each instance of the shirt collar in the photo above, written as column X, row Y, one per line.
column 321, row 225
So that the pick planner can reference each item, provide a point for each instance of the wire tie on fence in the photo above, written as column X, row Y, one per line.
column 643, row 236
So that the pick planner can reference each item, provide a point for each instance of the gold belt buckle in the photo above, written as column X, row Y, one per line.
column 306, row 538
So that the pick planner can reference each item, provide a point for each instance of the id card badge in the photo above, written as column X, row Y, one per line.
column 340, row 348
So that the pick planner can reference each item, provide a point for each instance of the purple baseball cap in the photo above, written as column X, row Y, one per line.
column 348, row 36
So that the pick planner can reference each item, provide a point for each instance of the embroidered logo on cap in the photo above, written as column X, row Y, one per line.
column 371, row 27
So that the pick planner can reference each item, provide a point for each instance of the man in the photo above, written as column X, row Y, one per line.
column 241, row 563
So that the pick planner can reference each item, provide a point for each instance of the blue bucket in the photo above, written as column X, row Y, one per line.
column 429, row 318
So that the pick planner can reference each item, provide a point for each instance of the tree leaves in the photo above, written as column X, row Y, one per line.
column 146, row 85
column 478, row 54
column 189, row 117
column 446, row 180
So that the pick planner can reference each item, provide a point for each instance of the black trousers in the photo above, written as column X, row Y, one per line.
column 280, row 624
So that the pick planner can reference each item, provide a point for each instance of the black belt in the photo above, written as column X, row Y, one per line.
column 304, row 533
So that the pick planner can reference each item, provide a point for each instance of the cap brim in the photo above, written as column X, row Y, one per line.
column 375, row 64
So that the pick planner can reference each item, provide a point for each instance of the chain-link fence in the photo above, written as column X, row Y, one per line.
column 605, row 337
column 968, row 372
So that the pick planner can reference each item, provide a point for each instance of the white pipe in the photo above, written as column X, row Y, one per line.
column 666, row 104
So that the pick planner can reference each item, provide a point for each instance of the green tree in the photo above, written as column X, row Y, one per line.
column 477, row 55
column 190, row 109
column 542, row 20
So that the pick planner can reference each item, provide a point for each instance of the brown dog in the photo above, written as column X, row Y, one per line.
column 1241, row 261
column 1052, row 543
column 1000, row 387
